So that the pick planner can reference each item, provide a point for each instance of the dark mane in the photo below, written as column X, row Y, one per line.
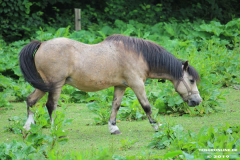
column 157, row 58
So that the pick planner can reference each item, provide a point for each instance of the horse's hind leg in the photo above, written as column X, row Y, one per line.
column 117, row 98
column 139, row 89
column 52, row 101
column 32, row 99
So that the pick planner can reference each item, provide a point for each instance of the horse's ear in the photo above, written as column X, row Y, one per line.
column 185, row 65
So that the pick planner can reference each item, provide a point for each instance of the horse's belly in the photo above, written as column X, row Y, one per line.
column 92, row 85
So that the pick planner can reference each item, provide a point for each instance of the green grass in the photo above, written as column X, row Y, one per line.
column 85, row 136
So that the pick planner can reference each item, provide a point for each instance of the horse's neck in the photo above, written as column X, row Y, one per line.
column 167, row 76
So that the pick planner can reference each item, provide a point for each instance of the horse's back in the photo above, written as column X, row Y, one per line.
column 88, row 67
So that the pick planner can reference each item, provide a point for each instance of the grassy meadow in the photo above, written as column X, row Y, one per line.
column 136, row 135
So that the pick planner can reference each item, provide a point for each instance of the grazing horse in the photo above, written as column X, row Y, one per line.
column 118, row 61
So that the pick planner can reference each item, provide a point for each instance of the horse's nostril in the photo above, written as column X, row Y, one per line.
column 194, row 103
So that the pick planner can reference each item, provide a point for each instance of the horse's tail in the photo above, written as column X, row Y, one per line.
column 28, row 68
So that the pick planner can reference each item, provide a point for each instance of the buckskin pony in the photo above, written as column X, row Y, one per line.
column 118, row 61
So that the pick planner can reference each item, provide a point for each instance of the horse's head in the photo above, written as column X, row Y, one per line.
column 186, row 86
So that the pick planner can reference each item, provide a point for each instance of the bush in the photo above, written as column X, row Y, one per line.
column 18, row 20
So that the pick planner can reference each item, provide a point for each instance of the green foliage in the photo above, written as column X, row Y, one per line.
column 19, row 150
column 153, row 11
column 10, row 71
column 20, row 90
column 52, row 33
column 190, row 144
column 58, row 135
column 18, row 19
column 101, row 110
column 137, row 9
column 131, row 109
column 15, row 125
column 3, row 101
column 101, row 105
column 126, row 144
column 34, row 142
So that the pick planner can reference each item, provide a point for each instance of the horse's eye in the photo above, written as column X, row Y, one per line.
column 191, row 81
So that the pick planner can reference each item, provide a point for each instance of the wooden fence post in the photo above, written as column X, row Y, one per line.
column 77, row 19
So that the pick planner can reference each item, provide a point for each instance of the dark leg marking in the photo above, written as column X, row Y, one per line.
column 147, row 109
column 50, row 104
column 114, row 122
column 139, row 89
column 53, row 97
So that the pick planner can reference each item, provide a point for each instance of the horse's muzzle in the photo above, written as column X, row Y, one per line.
column 193, row 103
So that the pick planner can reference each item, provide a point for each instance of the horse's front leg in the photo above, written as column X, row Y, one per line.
column 117, row 98
column 139, row 89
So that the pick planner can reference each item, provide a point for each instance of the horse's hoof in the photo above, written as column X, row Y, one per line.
column 116, row 132
column 156, row 126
